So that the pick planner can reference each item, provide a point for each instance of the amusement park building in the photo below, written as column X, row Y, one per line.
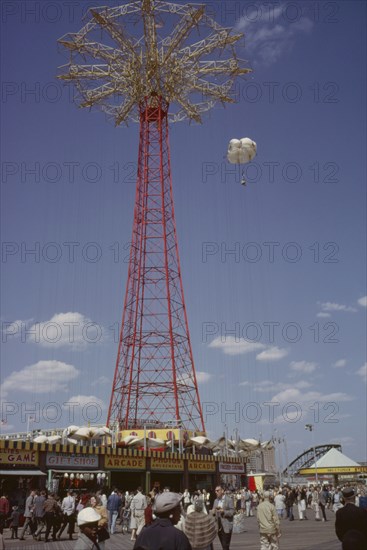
column 58, row 467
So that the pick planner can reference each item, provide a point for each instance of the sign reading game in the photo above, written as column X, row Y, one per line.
column 20, row 457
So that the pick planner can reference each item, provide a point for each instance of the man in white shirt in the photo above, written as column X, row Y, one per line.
column 68, row 509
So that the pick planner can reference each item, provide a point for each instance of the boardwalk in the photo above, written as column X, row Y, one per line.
column 297, row 535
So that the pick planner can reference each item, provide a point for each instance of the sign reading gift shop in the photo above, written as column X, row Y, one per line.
column 21, row 457
column 167, row 464
column 65, row 460
column 124, row 463
column 231, row 468
column 201, row 466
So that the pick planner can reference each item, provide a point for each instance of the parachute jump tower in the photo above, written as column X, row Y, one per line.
column 165, row 70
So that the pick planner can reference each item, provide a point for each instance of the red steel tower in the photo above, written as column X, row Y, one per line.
column 139, row 79
column 155, row 377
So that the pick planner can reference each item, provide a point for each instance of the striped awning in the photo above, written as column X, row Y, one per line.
column 22, row 473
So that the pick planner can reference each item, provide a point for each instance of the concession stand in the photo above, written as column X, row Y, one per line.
column 20, row 472
column 27, row 465
column 77, row 471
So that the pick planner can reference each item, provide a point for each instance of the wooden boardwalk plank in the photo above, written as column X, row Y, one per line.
column 296, row 535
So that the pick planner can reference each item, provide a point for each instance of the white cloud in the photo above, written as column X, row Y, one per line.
column 294, row 395
column 70, row 329
column 42, row 377
column 271, row 33
column 101, row 380
column 332, row 306
column 84, row 401
column 272, row 354
column 340, row 363
column 235, row 346
column 188, row 380
column 294, row 402
column 294, row 405
column 303, row 366
column 202, row 377
column 363, row 301
column 256, row 16
column 85, row 410
column 266, row 386
column 362, row 372
column 14, row 328
column 323, row 314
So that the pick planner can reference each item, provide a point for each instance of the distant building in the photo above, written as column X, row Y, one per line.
column 262, row 461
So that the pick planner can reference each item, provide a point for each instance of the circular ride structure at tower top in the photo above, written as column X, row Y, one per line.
column 174, row 51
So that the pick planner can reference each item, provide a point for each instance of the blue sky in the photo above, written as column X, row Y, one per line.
column 274, row 272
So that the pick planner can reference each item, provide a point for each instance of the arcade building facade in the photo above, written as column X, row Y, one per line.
column 26, row 465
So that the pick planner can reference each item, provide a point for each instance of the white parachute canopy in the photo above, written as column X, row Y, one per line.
column 241, row 151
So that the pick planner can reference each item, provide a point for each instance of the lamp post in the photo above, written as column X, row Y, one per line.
column 225, row 434
column 262, row 466
column 30, row 418
column 286, row 455
column 224, row 451
column 278, row 440
column 310, row 428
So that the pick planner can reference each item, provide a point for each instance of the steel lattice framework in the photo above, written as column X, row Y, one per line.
column 153, row 79
column 307, row 458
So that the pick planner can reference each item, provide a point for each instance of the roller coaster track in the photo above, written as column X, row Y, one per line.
column 306, row 459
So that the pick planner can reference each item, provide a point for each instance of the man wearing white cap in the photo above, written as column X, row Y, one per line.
column 87, row 521
column 161, row 534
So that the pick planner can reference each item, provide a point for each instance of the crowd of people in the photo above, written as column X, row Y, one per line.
column 188, row 521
